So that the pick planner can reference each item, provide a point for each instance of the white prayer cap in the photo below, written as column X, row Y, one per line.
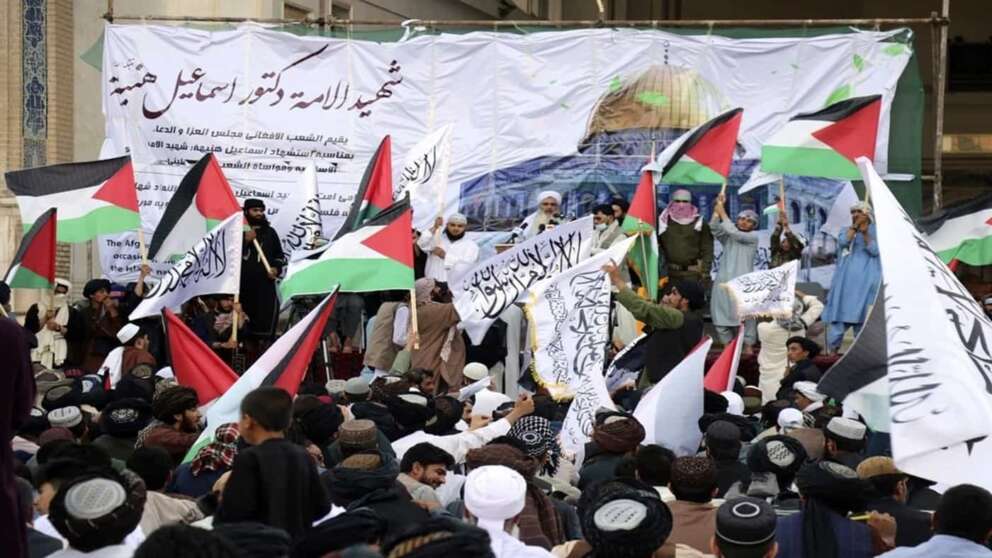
column 66, row 417
column 458, row 219
column 165, row 372
column 863, row 207
column 808, row 389
column 549, row 194
column 127, row 332
column 495, row 493
column 487, row 401
column 735, row 403
column 790, row 418
column 59, row 282
column 475, row 371
column 847, row 428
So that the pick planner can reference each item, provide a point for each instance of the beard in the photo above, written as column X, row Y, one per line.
column 257, row 222
column 453, row 237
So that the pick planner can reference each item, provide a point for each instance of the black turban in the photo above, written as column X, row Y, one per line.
column 439, row 537
column 828, row 489
column 252, row 203
column 173, row 401
column 625, row 520
column 359, row 526
column 94, row 285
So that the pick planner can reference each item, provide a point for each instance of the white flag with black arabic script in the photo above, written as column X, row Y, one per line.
column 492, row 286
column 211, row 266
column 425, row 176
column 939, row 354
column 298, row 221
column 569, row 317
column 766, row 292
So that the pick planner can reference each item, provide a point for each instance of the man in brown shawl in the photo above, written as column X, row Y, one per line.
column 442, row 348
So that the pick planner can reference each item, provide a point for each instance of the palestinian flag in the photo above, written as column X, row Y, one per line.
column 962, row 232
column 92, row 198
column 34, row 263
column 194, row 363
column 825, row 143
column 202, row 200
column 375, row 193
column 283, row 365
column 723, row 372
column 643, row 216
column 377, row 256
column 701, row 155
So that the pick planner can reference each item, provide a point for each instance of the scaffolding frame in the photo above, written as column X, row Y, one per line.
column 938, row 23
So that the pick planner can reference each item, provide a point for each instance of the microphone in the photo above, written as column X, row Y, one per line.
column 517, row 232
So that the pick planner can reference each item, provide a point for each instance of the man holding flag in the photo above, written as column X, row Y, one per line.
column 259, row 271
column 740, row 244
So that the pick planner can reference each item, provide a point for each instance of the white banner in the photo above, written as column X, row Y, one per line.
column 939, row 353
column 425, row 177
column 299, row 223
column 483, row 292
column 266, row 101
column 591, row 395
column 766, row 292
column 212, row 265
column 569, row 317
column 670, row 410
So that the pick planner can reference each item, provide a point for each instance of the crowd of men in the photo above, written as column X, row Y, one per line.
column 108, row 457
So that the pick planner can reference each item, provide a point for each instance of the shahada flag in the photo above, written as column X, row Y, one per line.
column 203, row 199
column 497, row 283
column 858, row 378
column 628, row 364
column 642, row 217
column 766, row 292
column 670, row 410
column 298, row 221
column 425, row 176
column 33, row 266
column 827, row 142
column 377, row 256
column 92, row 198
column 701, row 155
column 212, row 265
column 283, row 365
column 938, row 346
column 569, row 316
column 375, row 192
column 194, row 363
column 962, row 231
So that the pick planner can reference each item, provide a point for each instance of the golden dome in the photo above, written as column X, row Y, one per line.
column 663, row 97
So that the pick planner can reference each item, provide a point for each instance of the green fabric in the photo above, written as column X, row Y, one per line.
column 655, row 315
column 975, row 251
column 24, row 278
column 401, row 364
column 687, row 171
column 807, row 161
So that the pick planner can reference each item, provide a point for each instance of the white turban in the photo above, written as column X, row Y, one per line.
column 127, row 332
column 789, row 419
column 549, row 194
column 487, row 401
column 493, row 494
column 475, row 371
column 458, row 219
column 808, row 390
column 735, row 404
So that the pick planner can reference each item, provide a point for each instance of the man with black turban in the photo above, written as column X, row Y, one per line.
column 95, row 335
column 258, row 284
column 774, row 462
column 439, row 537
column 361, row 526
column 96, row 511
column 830, row 491
column 177, row 422
column 801, row 352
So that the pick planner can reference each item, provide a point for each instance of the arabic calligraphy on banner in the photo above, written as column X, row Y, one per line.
column 766, row 292
column 266, row 102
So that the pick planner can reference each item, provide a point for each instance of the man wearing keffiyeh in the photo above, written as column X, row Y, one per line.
column 685, row 239
column 198, row 476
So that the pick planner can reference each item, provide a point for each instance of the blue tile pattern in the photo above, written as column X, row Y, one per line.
column 34, row 71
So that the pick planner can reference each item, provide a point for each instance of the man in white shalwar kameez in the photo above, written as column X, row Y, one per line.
column 449, row 254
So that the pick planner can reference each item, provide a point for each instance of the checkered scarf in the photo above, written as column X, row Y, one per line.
column 217, row 454
column 536, row 434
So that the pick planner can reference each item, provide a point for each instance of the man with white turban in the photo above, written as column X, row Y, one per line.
column 855, row 282
column 548, row 206
column 495, row 496
column 449, row 254
column 48, row 319
column 740, row 244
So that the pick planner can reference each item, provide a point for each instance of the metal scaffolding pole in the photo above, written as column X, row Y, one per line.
column 940, row 86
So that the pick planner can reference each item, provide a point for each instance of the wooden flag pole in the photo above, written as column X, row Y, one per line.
column 415, row 331
column 141, row 246
column 3, row 311
column 261, row 255
column 234, row 319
